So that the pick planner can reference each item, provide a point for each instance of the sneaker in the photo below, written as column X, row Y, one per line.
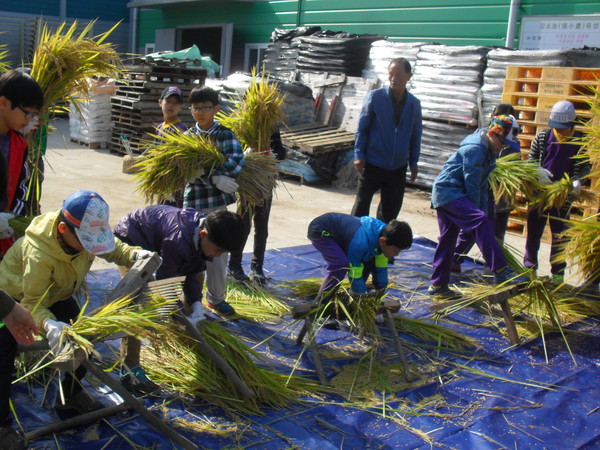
column 329, row 323
column 443, row 293
column 136, row 381
column 238, row 275
column 80, row 403
column 507, row 274
column 257, row 275
column 11, row 440
column 223, row 308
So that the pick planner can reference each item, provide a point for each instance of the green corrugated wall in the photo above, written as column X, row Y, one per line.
column 452, row 22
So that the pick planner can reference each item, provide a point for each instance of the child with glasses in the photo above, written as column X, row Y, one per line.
column 214, row 193
column 21, row 99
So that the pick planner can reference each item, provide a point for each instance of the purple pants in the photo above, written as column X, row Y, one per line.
column 536, row 222
column 337, row 265
column 462, row 214
column 465, row 240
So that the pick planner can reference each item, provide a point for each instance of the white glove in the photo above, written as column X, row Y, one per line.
column 225, row 183
column 6, row 230
column 197, row 313
column 142, row 254
column 54, row 330
column 247, row 151
column 31, row 126
column 544, row 176
column 577, row 187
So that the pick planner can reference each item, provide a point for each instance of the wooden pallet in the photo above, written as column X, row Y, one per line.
column 317, row 138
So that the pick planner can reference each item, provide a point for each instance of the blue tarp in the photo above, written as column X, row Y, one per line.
column 530, row 403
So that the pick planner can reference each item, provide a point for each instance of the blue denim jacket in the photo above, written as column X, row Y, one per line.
column 466, row 173
column 379, row 141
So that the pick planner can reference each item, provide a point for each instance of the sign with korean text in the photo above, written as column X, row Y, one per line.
column 559, row 32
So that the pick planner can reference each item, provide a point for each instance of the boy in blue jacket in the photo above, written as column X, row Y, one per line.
column 460, row 196
column 350, row 243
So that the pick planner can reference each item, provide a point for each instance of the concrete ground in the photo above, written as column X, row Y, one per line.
column 70, row 167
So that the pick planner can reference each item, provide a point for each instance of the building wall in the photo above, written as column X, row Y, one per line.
column 459, row 22
column 107, row 10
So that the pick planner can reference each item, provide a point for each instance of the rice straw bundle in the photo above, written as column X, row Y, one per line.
column 557, row 194
column 184, row 369
column 513, row 175
column 123, row 315
column 255, row 118
column 254, row 302
column 177, row 158
column 65, row 59
column 581, row 246
column 3, row 55
column 258, row 178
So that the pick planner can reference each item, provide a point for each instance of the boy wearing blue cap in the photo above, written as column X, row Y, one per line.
column 170, row 102
column 44, row 270
column 460, row 196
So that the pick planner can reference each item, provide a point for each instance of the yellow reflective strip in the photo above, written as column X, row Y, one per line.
column 355, row 271
column 381, row 260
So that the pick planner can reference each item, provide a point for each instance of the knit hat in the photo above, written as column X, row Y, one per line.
column 507, row 128
column 87, row 213
column 169, row 91
column 562, row 115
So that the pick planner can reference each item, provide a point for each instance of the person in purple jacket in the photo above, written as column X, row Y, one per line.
column 185, row 239
column 350, row 244
column 556, row 150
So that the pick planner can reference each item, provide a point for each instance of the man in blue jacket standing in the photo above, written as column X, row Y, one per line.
column 388, row 141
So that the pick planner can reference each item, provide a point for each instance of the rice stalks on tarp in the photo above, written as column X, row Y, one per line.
column 177, row 158
column 423, row 330
column 254, row 302
column 182, row 367
column 513, row 175
column 556, row 195
column 255, row 117
column 581, row 246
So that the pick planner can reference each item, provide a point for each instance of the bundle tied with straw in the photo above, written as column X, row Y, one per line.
column 513, row 175
column 63, row 62
column 175, row 159
column 253, row 120
column 559, row 193
column 581, row 246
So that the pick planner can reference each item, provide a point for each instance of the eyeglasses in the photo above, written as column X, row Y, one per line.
column 195, row 109
column 28, row 114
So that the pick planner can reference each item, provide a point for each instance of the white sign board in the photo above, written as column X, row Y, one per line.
column 559, row 32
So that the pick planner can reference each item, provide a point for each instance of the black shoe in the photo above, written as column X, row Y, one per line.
column 238, row 275
column 257, row 275
column 11, row 440
column 80, row 403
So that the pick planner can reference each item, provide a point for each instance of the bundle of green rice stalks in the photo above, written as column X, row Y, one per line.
column 144, row 322
column 177, row 158
column 64, row 60
column 3, row 55
column 556, row 195
column 182, row 367
column 257, row 179
column 256, row 116
column 254, row 302
column 581, row 246
column 513, row 175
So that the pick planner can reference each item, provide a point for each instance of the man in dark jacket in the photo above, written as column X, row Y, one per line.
column 185, row 239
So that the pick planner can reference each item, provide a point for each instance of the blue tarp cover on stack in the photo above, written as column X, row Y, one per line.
column 516, row 400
